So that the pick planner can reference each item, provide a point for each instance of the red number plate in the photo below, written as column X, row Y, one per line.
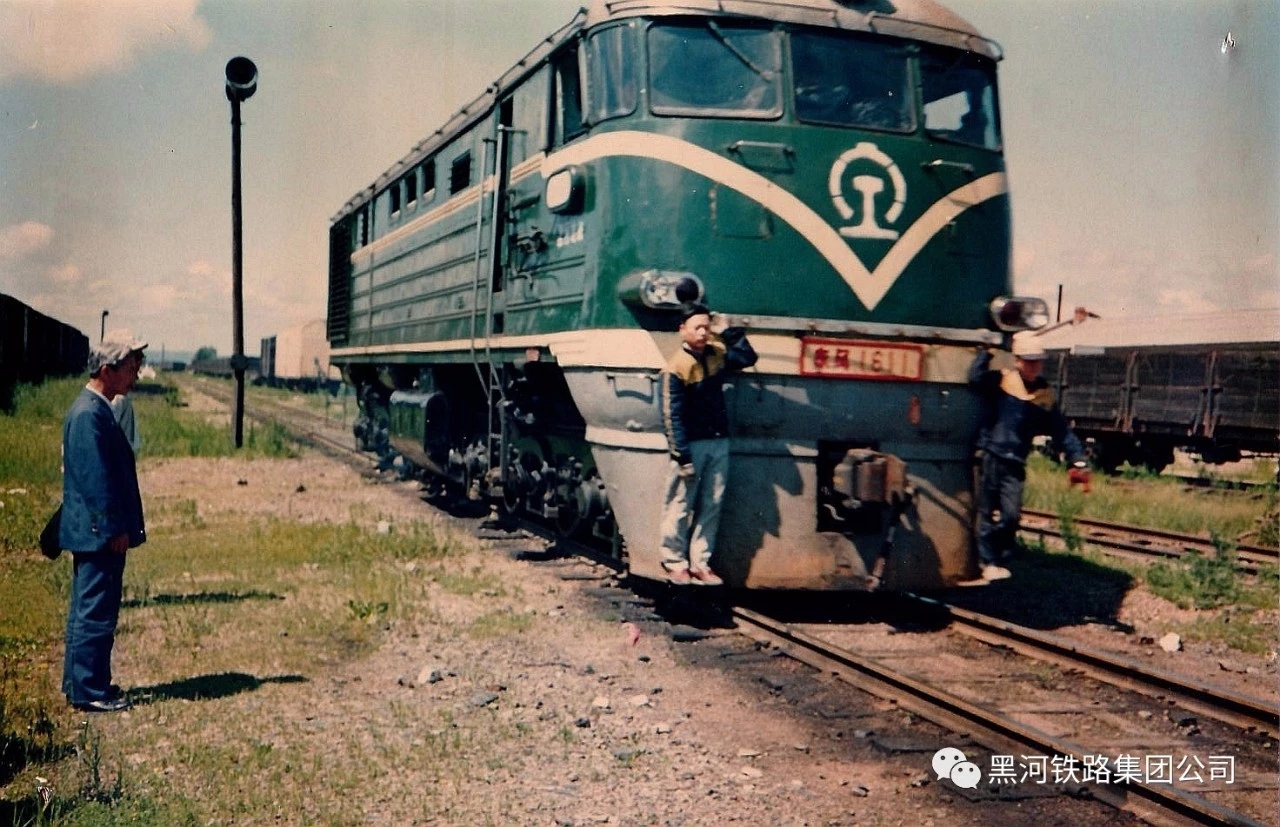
column 852, row 359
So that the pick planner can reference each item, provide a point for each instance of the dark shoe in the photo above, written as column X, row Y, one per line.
column 114, row 691
column 706, row 577
column 678, row 577
column 109, row 705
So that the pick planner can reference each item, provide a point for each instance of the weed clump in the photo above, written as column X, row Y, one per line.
column 1206, row 582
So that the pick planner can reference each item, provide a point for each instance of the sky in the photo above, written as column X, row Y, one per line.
column 1143, row 161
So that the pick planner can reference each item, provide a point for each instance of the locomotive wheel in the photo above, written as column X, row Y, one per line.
column 522, row 483
column 569, row 518
column 512, row 501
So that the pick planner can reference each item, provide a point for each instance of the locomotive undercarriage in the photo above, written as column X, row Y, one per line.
column 582, row 450
column 522, row 448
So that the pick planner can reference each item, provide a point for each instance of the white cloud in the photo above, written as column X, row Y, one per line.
column 68, row 41
column 155, row 298
column 1184, row 301
column 64, row 274
column 18, row 240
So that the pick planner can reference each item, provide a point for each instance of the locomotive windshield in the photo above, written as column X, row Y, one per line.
column 611, row 70
column 713, row 69
column 848, row 81
column 716, row 69
column 959, row 90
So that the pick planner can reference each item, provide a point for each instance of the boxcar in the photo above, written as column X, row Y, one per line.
column 298, row 357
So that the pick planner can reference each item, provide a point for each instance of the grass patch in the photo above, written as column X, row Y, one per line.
column 470, row 583
column 1144, row 500
column 1203, row 582
column 1239, row 630
column 218, row 611
column 499, row 624
column 237, row 607
column 169, row 429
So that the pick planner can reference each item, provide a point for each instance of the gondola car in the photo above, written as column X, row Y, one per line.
column 35, row 347
column 827, row 174
column 1138, row 389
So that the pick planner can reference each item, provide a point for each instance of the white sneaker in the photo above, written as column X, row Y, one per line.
column 994, row 572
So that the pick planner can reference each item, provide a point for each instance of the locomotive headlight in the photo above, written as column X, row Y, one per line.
column 660, row 289
column 1019, row 313
column 564, row 190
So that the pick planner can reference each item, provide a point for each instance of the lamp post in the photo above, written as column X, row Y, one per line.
column 242, row 82
column 102, row 329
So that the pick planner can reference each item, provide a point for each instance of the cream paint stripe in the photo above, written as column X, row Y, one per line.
column 935, row 218
column 628, row 349
column 465, row 199
column 868, row 286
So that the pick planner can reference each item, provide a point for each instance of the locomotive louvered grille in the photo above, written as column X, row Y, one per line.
column 339, row 283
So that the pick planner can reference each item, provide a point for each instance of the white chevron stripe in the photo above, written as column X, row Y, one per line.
column 869, row 286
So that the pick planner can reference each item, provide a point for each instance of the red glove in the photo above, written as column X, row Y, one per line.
column 1079, row 475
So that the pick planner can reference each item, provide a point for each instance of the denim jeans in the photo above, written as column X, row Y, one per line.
column 97, row 583
column 1002, row 482
column 691, row 507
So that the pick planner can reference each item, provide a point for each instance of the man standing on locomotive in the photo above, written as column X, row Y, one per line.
column 696, row 423
column 1018, row 405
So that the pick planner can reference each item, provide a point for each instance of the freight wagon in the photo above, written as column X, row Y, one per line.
column 1138, row 389
column 298, row 357
column 35, row 347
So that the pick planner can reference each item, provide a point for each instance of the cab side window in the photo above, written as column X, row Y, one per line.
column 567, row 97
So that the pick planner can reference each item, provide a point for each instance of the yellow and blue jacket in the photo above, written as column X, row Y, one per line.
column 693, row 390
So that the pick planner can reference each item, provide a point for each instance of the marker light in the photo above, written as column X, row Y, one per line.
column 661, row 289
column 1019, row 313
column 564, row 189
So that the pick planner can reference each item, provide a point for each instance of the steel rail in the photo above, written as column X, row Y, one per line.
column 989, row 728
column 1248, row 557
column 1234, row 708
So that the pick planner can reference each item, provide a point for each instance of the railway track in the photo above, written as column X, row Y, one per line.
column 994, row 729
column 1145, row 544
column 1003, row 732
column 1247, row 713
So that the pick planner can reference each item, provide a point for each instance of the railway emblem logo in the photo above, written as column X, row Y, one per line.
column 867, row 187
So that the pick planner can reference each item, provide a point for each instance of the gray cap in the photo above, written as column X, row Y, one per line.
column 113, row 349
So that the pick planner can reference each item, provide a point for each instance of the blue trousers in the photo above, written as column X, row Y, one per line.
column 1002, row 482
column 691, row 507
column 97, row 583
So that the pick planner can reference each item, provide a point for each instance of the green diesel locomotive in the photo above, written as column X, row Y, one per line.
column 826, row 173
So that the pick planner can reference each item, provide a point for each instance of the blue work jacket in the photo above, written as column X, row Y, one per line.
column 100, row 497
column 1014, row 412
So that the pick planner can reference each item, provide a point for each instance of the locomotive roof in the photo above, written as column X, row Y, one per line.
column 1227, row 327
column 916, row 19
column 923, row 20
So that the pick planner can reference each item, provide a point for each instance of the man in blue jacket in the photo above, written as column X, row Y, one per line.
column 101, row 520
column 1018, row 405
column 696, row 423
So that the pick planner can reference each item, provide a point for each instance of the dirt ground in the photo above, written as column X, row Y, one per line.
column 604, row 710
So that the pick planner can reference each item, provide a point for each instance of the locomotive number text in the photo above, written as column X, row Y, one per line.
column 851, row 359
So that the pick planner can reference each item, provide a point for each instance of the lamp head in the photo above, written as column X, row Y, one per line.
column 242, row 79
